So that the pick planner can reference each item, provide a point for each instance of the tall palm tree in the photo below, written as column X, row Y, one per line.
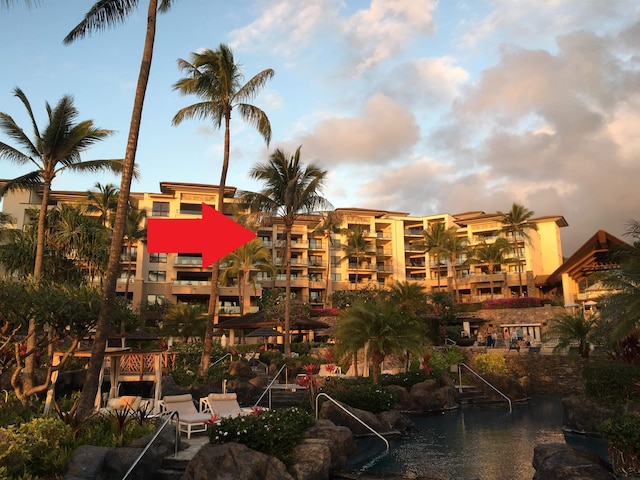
column 433, row 242
column 53, row 150
column 517, row 224
column 330, row 224
column 104, row 14
column 103, row 201
column 244, row 264
column 358, row 246
column 291, row 189
column 215, row 77
column 381, row 325
column 454, row 248
column 134, row 231
column 491, row 254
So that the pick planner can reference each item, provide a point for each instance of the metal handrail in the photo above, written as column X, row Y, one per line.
column 268, row 388
column 6, row 396
column 222, row 358
column 322, row 394
column 170, row 416
column 480, row 377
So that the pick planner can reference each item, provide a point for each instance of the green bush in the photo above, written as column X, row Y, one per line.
column 185, row 371
column 611, row 383
column 406, row 380
column 360, row 393
column 622, row 434
column 491, row 362
column 272, row 432
column 114, row 430
column 442, row 358
column 39, row 447
column 13, row 412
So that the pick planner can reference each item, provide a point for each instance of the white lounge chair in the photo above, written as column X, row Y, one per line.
column 189, row 419
column 223, row 405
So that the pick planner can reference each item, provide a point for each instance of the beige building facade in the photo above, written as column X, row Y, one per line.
column 319, row 267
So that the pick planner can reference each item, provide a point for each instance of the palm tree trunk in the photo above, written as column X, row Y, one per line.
column 327, row 290
column 212, row 311
column 287, row 300
column 90, row 389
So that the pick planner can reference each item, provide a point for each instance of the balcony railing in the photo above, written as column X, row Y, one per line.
column 196, row 261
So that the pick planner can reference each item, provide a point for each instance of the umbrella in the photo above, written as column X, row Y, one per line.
column 265, row 332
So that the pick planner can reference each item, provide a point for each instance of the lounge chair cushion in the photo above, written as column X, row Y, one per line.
column 125, row 402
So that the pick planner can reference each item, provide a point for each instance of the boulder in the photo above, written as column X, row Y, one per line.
column 85, row 463
column 240, row 369
column 404, row 402
column 341, row 441
column 312, row 459
column 231, row 461
column 394, row 420
column 581, row 414
column 559, row 461
column 170, row 387
column 429, row 397
column 338, row 416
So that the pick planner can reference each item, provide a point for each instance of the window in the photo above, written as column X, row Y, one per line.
column 160, row 209
column 155, row 299
column 336, row 277
column 157, row 276
column 157, row 258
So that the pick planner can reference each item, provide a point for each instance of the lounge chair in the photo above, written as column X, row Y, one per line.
column 223, row 405
column 189, row 419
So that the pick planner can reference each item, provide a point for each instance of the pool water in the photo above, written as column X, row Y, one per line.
column 469, row 443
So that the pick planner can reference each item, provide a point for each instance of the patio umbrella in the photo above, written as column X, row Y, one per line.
column 265, row 332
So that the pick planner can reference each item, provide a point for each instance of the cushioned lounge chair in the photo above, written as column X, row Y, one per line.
column 189, row 419
column 223, row 405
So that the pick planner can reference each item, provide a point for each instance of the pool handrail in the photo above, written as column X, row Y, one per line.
column 377, row 434
column 268, row 387
column 222, row 358
column 494, row 388
column 169, row 416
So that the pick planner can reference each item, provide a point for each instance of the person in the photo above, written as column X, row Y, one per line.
column 514, row 336
column 506, row 337
column 519, row 333
column 489, row 340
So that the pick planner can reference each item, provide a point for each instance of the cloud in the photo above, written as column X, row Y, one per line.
column 382, row 132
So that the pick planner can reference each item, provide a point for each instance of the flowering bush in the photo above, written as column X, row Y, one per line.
column 518, row 302
column 491, row 362
column 272, row 432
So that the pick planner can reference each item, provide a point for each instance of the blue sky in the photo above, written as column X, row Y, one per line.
column 411, row 105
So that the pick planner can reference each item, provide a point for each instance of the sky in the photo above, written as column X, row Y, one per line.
column 416, row 106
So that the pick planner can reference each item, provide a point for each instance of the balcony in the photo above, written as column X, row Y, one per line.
column 187, row 261
column 316, row 245
column 383, row 252
column 413, row 232
column 191, row 287
column 363, row 266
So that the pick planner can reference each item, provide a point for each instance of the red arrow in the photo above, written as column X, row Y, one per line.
column 214, row 235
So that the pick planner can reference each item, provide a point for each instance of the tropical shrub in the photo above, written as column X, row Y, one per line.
column 272, row 432
column 39, row 447
column 360, row 393
column 622, row 434
column 185, row 371
column 405, row 379
column 491, row 362
column 442, row 358
column 611, row 383
column 115, row 430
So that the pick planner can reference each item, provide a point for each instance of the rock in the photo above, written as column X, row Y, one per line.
column 341, row 441
column 428, row 397
column 240, row 369
column 404, row 402
column 118, row 460
column 85, row 463
column 396, row 421
column 330, row 411
column 170, row 387
column 232, row 461
column 582, row 414
column 312, row 459
column 559, row 461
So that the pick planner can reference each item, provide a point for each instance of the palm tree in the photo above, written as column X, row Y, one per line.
column 433, row 242
column 104, row 14
column 134, row 231
column 517, row 224
column 215, row 77
column 491, row 254
column 6, row 231
column 620, row 309
column 408, row 296
column 53, row 150
column 290, row 189
column 382, row 326
column 454, row 248
column 104, row 201
column 331, row 223
column 244, row 264
column 569, row 328
column 358, row 246
column 183, row 320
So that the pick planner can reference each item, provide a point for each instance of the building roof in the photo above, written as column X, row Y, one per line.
column 595, row 255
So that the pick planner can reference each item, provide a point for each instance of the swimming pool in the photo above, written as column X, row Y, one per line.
column 469, row 443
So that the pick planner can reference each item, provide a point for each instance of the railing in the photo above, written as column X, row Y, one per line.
column 268, row 388
column 480, row 377
column 377, row 434
column 6, row 396
column 222, row 358
column 170, row 416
